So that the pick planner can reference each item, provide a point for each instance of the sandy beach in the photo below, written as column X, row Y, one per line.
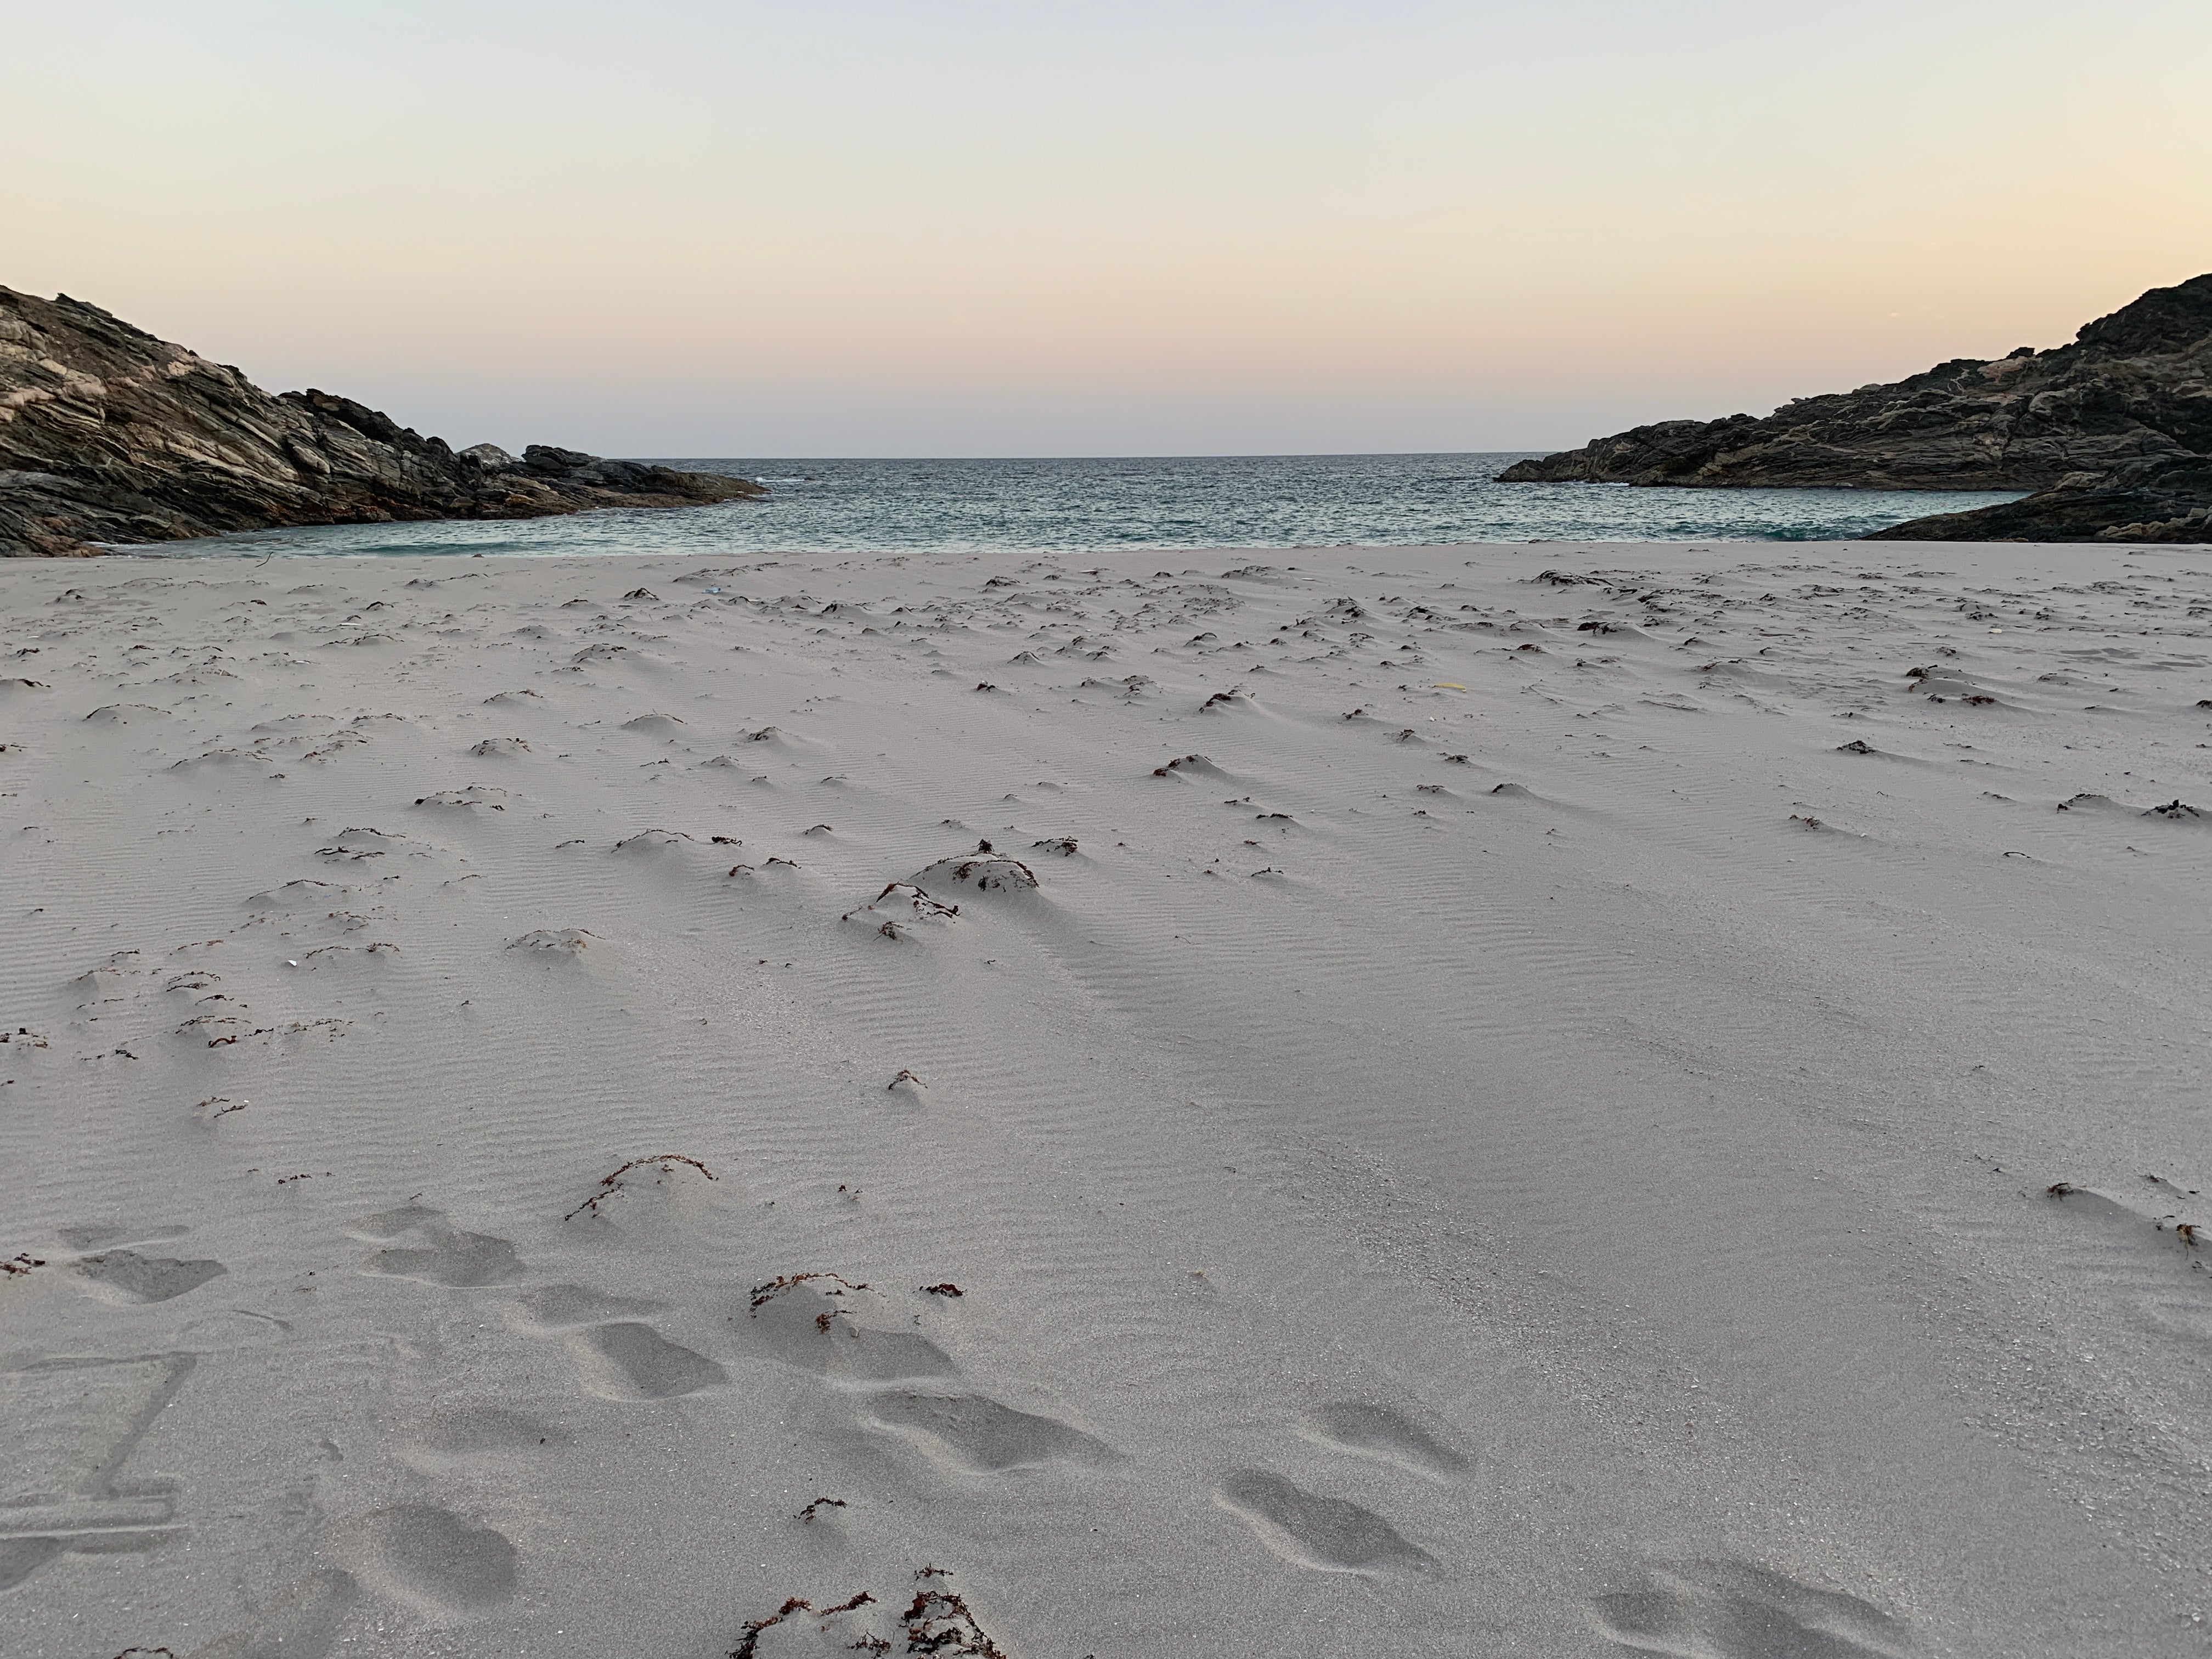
column 1561, row 1100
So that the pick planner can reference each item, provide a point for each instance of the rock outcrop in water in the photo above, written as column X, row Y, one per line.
column 2113, row 432
column 108, row 434
column 2162, row 500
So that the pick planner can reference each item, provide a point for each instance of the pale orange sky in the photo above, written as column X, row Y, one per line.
column 684, row 228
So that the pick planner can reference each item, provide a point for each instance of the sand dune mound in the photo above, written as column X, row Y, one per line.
column 831, row 1337
column 899, row 907
column 367, row 842
column 1188, row 766
column 980, row 872
column 1939, row 683
column 301, row 895
column 648, row 842
column 554, row 942
column 127, row 713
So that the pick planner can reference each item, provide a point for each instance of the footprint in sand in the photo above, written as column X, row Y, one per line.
column 1325, row 1534
column 1374, row 1430
column 551, row 1309
column 438, row 1253
column 460, row 1261
column 127, row 1278
column 628, row 1360
column 969, row 1431
column 620, row 1356
column 1732, row 1610
column 302, row 1622
column 435, row 1561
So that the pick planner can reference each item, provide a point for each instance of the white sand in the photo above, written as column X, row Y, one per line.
column 1557, row 1167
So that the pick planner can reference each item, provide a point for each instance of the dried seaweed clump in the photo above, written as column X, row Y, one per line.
column 662, row 1163
column 828, row 1284
column 937, row 1621
column 987, row 872
column 750, row 1644
column 898, row 906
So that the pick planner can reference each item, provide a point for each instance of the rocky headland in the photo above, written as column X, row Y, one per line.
column 110, row 435
column 2113, row 433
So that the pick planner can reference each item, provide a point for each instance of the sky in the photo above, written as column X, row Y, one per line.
column 917, row 228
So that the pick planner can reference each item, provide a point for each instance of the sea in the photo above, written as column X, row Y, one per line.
column 1079, row 506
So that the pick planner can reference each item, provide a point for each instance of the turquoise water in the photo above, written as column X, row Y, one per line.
column 1095, row 505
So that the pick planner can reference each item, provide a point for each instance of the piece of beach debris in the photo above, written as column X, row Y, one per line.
column 939, row 1622
column 755, row 1629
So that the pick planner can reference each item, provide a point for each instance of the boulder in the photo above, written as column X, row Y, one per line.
column 2162, row 500
column 109, row 435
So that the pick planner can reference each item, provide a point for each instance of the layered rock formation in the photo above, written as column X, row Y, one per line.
column 2155, row 501
column 110, row 435
column 2113, row 432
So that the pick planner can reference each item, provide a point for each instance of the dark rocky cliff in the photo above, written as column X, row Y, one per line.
column 2160, row 500
column 108, row 434
column 2111, row 431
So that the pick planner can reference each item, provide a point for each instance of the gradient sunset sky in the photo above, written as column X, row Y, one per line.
column 958, row 228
